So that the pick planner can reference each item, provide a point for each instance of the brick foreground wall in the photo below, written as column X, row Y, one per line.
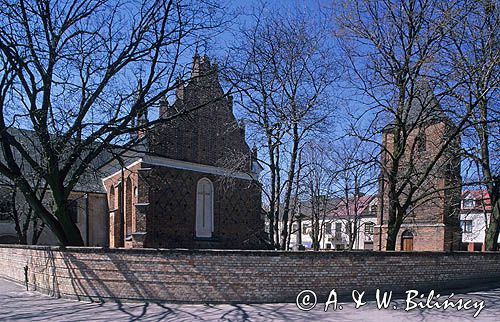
column 236, row 276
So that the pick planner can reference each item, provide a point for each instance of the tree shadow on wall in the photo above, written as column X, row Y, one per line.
column 151, row 278
column 129, row 276
column 134, row 277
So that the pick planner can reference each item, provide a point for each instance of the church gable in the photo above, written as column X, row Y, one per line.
column 193, row 185
column 209, row 133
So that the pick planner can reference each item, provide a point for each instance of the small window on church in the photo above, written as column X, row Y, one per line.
column 73, row 210
column 421, row 141
column 5, row 207
column 204, row 208
column 112, row 198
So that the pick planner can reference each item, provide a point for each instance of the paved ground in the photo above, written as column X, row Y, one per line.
column 19, row 305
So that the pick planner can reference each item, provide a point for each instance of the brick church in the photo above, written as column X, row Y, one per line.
column 432, row 222
column 194, row 181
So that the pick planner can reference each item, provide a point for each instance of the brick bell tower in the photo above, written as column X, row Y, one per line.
column 432, row 221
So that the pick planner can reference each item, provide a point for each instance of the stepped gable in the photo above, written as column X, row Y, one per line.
column 208, row 133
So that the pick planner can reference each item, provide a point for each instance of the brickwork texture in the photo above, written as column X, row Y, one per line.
column 235, row 276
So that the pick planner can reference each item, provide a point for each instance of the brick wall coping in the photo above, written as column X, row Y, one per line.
column 215, row 252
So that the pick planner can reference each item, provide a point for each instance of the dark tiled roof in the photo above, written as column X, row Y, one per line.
column 90, row 181
column 423, row 110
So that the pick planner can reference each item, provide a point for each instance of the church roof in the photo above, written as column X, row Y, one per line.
column 423, row 110
column 90, row 181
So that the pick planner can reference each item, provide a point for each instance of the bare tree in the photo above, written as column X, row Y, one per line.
column 26, row 222
column 474, row 58
column 76, row 76
column 391, row 48
column 285, row 71
column 317, row 183
column 355, row 171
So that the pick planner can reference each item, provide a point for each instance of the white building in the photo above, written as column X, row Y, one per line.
column 354, row 217
column 474, row 215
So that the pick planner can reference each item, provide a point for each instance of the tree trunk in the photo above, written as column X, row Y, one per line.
column 37, row 231
column 352, row 232
column 491, row 238
column 71, row 235
column 272, row 198
column 289, row 185
column 392, row 227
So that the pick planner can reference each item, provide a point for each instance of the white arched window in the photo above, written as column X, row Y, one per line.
column 204, row 208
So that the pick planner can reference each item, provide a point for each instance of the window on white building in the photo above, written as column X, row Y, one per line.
column 304, row 229
column 369, row 227
column 338, row 230
column 469, row 203
column 466, row 226
column 328, row 228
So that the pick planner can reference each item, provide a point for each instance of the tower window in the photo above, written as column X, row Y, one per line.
column 112, row 198
column 421, row 141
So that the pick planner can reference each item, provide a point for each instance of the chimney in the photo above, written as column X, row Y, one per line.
column 242, row 127
column 254, row 152
column 163, row 107
column 195, row 70
column 230, row 102
column 215, row 68
column 142, row 113
column 179, row 90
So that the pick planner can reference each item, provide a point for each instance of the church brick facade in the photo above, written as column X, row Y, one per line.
column 196, row 183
